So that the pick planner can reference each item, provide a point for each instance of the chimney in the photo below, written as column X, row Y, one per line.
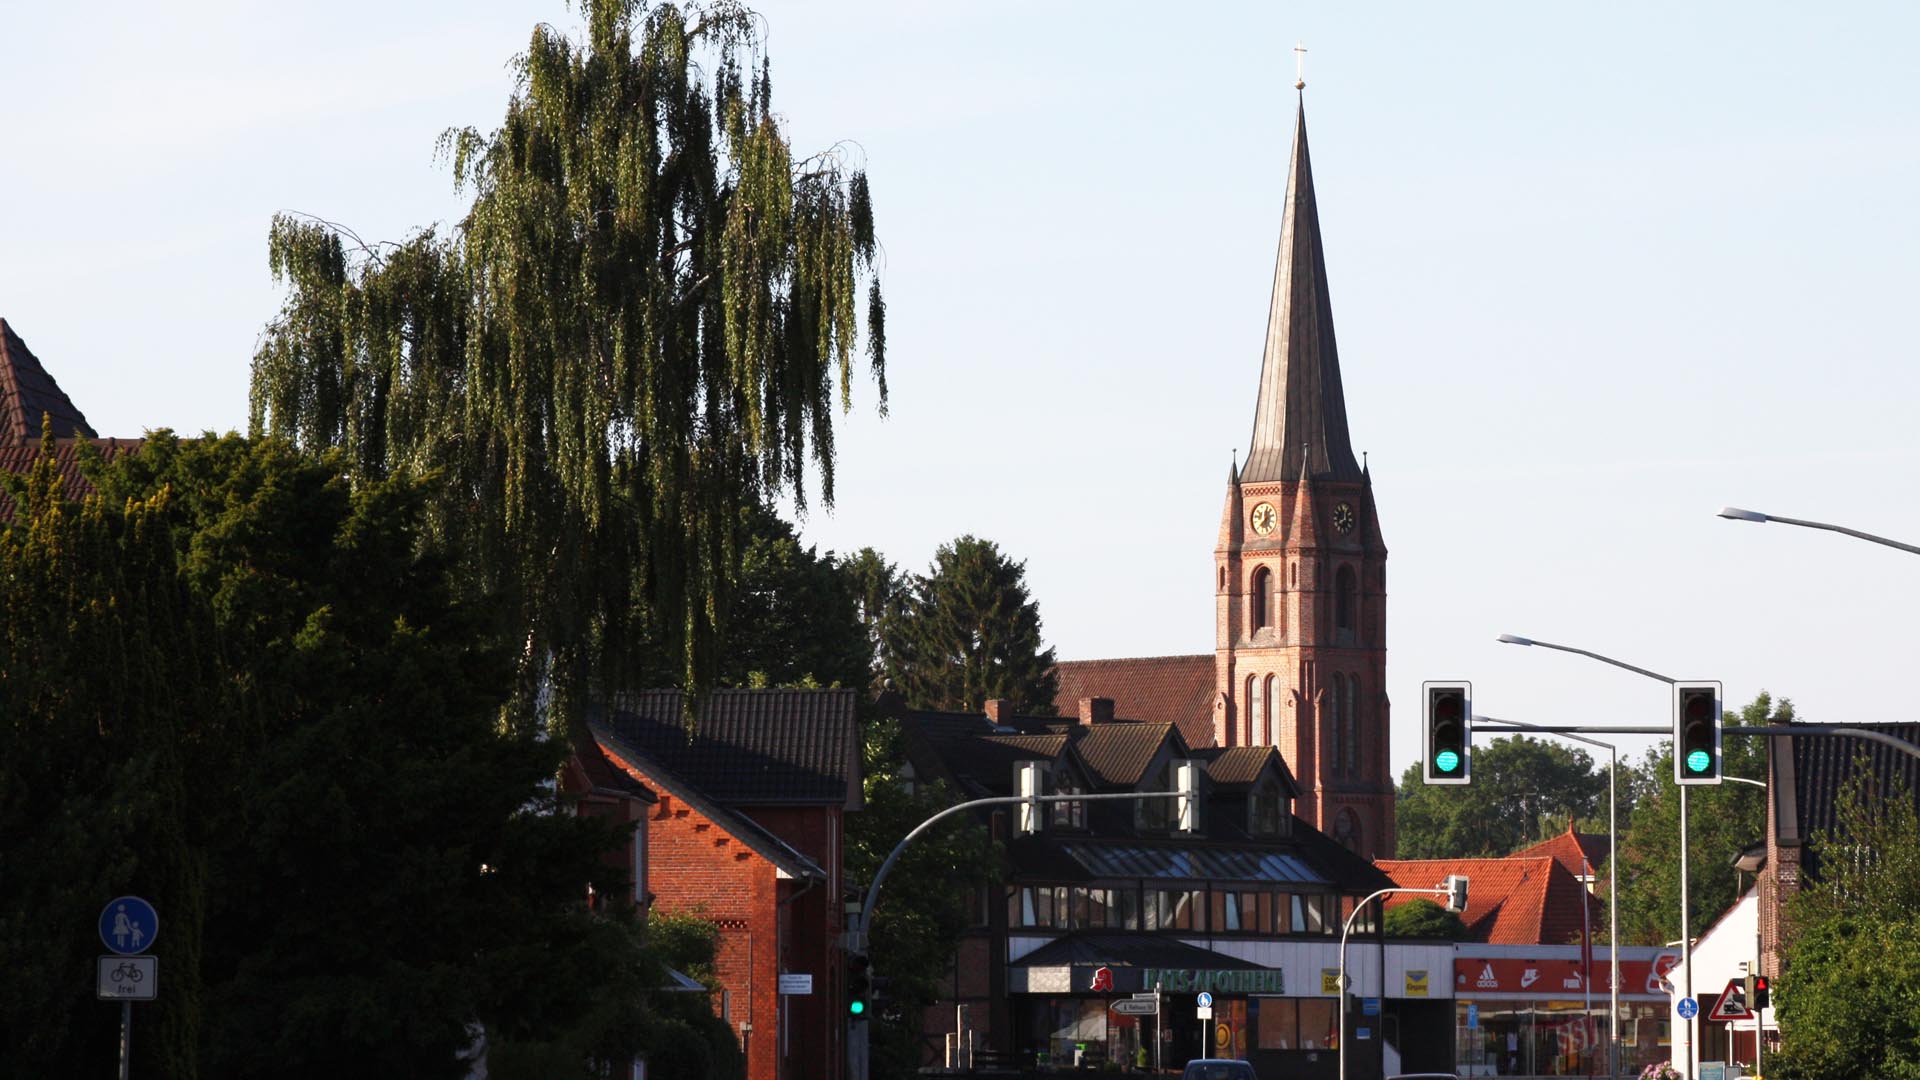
column 1096, row 710
column 999, row 711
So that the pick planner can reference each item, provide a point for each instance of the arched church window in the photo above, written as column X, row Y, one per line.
column 1352, row 741
column 1296, row 575
column 1256, row 703
column 1262, row 585
column 1335, row 687
column 1266, row 715
column 1223, row 579
column 1343, row 599
column 1346, row 830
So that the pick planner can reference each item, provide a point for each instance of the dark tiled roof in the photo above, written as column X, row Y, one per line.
column 28, row 394
column 1822, row 767
column 767, row 747
column 642, row 768
column 19, row 460
column 1156, row 689
column 607, row 777
column 1129, row 950
column 1118, row 753
column 1235, row 767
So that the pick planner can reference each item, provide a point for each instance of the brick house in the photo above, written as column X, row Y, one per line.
column 746, row 830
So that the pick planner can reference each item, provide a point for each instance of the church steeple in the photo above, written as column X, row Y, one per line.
column 1300, row 419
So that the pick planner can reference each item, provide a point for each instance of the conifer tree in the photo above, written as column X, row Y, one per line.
column 969, row 633
column 642, row 325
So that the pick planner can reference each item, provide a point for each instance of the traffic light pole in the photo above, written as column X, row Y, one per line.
column 1345, row 929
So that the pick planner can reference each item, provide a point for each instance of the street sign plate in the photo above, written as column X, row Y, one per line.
column 1150, row 995
column 129, row 978
column 1204, row 1012
column 1732, row 1004
column 128, row 925
column 796, row 984
column 1370, row 1006
column 1473, row 1014
column 1204, row 1000
column 1688, row 1008
column 1136, row 1007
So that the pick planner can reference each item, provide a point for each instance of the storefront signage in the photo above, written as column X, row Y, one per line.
column 1416, row 984
column 1329, row 980
column 1547, row 978
column 1188, row 980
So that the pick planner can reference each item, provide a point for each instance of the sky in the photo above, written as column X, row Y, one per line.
column 1597, row 271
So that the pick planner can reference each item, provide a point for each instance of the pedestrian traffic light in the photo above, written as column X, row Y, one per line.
column 1696, row 733
column 1762, row 996
column 859, row 985
column 1449, row 722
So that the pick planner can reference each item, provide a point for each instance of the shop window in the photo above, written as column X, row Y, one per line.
column 1181, row 909
column 1318, row 1029
column 1276, row 1023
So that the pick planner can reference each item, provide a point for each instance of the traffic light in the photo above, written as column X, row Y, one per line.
column 859, row 985
column 1762, row 996
column 1449, row 722
column 1456, row 886
column 1696, row 733
column 1187, row 775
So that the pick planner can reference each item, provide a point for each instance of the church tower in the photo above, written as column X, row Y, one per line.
column 1300, row 651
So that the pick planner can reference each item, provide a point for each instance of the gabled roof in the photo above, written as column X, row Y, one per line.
column 606, row 778
column 1510, row 901
column 1238, row 767
column 1300, row 418
column 637, row 764
column 1156, row 689
column 1807, row 782
column 28, row 393
column 1118, row 754
column 1569, row 849
column 765, row 747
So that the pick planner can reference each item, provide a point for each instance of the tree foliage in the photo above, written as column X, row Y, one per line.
column 1849, row 998
column 239, row 685
column 641, row 326
column 1423, row 918
column 923, row 907
column 1722, row 822
column 1523, row 791
column 968, row 632
column 795, row 619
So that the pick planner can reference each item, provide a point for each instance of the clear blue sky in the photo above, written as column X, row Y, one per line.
column 1597, row 270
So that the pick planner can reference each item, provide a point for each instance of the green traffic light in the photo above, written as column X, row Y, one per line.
column 1447, row 760
column 856, row 1007
column 1698, row 761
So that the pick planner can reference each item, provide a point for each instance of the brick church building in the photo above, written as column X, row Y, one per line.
column 1299, row 577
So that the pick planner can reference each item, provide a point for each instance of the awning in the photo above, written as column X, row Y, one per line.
column 1122, row 963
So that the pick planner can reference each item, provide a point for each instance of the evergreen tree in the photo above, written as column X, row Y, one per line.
column 795, row 618
column 969, row 633
column 641, row 326
column 1423, row 918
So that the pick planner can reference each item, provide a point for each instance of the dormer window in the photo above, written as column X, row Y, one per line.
column 1068, row 815
column 1155, row 815
column 1266, row 808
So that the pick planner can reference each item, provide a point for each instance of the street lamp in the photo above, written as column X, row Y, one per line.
column 1686, row 933
column 1613, row 894
column 1734, row 513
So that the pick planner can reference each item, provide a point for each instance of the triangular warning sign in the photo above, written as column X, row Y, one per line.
column 1732, row 1004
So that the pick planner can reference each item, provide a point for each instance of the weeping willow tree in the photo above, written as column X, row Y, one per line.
column 643, row 324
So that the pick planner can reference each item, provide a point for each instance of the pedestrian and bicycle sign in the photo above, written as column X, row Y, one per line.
column 129, row 978
column 128, row 925
column 1688, row 1008
column 1204, row 1000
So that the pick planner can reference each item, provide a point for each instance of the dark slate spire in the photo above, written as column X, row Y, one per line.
column 1300, row 400
column 28, row 393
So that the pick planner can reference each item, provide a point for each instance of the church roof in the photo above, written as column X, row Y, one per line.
column 1174, row 690
column 1300, row 418
column 28, row 393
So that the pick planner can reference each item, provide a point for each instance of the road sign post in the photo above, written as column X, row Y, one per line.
column 128, row 926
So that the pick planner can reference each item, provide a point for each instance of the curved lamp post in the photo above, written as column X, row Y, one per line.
column 1613, row 902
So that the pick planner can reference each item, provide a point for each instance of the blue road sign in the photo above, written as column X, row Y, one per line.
column 1205, row 1000
column 128, row 925
column 1370, row 1006
column 1473, row 1014
column 1688, row 1008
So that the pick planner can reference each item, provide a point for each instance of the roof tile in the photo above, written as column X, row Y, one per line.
column 1156, row 689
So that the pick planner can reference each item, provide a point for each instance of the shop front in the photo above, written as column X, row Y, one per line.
column 1537, row 1017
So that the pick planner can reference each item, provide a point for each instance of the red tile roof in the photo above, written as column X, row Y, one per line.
column 1569, row 849
column 28, row 394
column 1157, row 689
column 1512, row 901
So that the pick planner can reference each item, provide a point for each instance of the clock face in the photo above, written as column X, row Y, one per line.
column 1343, row 517
column 1264, row 518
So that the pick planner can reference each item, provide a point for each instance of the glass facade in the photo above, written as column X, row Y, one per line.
column 1257, row 912
column 1555, row 1037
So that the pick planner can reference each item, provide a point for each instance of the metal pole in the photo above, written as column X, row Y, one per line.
column 126, row 1037
column 1346, row 927
column 1613, row 916
column 1159, row 1021
column 1759, row 1026
column 1686, row 937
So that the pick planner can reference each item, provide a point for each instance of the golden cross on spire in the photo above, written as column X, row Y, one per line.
column 1299, row 66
